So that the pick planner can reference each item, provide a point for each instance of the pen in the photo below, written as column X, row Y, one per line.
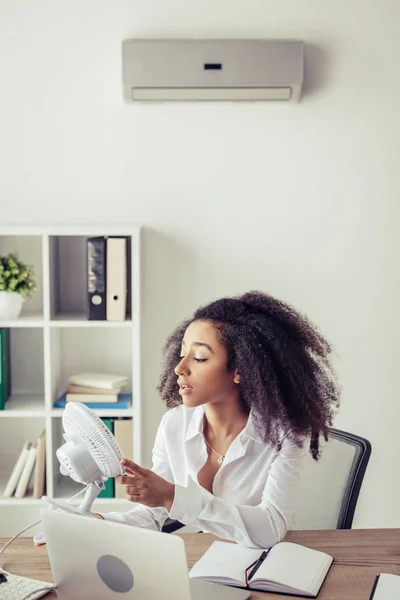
column 258, row 564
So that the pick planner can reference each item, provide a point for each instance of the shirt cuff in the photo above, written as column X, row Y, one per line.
column 187, row 504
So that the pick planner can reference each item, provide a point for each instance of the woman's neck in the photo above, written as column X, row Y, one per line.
column 224, row 421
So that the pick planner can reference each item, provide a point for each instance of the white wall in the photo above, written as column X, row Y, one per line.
column 298, row 200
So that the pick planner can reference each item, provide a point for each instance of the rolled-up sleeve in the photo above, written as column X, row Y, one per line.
column 259, row 526
column 140, row 515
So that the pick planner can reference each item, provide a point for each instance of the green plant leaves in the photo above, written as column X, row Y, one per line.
column 16, row 276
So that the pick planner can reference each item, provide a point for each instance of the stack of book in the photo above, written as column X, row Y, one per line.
column 29, row 470
column 96, row 390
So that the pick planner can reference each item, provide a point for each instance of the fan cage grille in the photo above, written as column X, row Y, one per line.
column 96, row 436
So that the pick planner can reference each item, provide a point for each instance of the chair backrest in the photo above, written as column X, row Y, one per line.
column 331, row 485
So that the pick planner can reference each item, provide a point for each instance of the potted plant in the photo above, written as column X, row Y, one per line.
column 17, row 284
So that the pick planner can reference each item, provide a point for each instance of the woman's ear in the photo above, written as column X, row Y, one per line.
column 236, row 377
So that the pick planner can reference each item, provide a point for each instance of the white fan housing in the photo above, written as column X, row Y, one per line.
column 90, row 455
column 91, row 452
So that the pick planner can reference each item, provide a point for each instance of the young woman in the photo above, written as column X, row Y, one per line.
column 250, row 390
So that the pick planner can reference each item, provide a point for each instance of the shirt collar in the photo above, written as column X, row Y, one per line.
column 196, row 425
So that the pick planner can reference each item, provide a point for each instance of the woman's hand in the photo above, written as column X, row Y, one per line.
column 145, row 486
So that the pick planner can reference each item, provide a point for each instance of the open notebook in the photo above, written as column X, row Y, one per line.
column 386, row 587
column 288, row 568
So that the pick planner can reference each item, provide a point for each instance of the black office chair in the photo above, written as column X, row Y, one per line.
column 330, row 486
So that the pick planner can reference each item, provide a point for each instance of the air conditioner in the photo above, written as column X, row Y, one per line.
column 163, row 70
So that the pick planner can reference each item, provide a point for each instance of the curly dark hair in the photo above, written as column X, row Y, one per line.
column 286, row 376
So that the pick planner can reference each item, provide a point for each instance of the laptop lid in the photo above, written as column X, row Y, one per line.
column 98, row 559
column 104, row 560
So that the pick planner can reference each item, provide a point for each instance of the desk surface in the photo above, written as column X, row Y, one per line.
column 360, row 555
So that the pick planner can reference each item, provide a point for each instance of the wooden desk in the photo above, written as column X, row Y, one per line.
column 360, row 554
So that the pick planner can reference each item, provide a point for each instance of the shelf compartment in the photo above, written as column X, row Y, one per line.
column 30, row 250
column 96, row 349
column 14, row 432
column 27, row 366
column 68, row 277
column 27, row 373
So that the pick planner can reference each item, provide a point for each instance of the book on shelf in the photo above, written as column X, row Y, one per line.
column 15, row 476
column 286, row 569
column 109, row 490
column 92, row 398
column 85, row 389
column 39, row 477
column 27, row 471
column 124, row 401
column 123, row 432
column 98, row 380
column 386, row 587
column 5, row 366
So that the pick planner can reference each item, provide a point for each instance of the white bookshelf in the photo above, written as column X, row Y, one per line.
column 53, row 339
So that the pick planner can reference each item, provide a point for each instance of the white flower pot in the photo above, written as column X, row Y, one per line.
column 10, row 305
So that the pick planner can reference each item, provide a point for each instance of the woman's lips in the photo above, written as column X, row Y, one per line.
column 185, row 389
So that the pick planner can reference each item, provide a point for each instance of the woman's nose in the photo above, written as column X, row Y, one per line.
column 182, row 367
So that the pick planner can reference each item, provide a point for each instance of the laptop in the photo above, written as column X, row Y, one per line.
column 98, row 559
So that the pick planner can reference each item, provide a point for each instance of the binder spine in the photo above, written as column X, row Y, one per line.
column 5, row 366
column 96, row 278
column 116, row 278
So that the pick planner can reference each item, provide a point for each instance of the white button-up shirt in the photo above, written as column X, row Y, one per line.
column 254, row 492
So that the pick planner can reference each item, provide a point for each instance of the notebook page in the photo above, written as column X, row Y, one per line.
column 223, row 560
column 387, row 587
column 294, row 566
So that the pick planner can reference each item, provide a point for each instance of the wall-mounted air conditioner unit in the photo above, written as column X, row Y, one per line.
column 163, row 70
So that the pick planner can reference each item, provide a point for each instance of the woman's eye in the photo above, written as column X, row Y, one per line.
column 194, row 358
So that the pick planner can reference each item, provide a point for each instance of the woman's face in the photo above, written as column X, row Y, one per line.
column 203, row 375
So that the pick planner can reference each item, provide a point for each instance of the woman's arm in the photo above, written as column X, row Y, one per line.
column 144, row 516
column 259, row 526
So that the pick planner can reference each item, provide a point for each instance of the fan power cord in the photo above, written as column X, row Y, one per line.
column 18, row 534
column 37, row 522
column 22, row 531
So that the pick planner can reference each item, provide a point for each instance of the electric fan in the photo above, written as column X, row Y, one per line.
column 90, row 454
